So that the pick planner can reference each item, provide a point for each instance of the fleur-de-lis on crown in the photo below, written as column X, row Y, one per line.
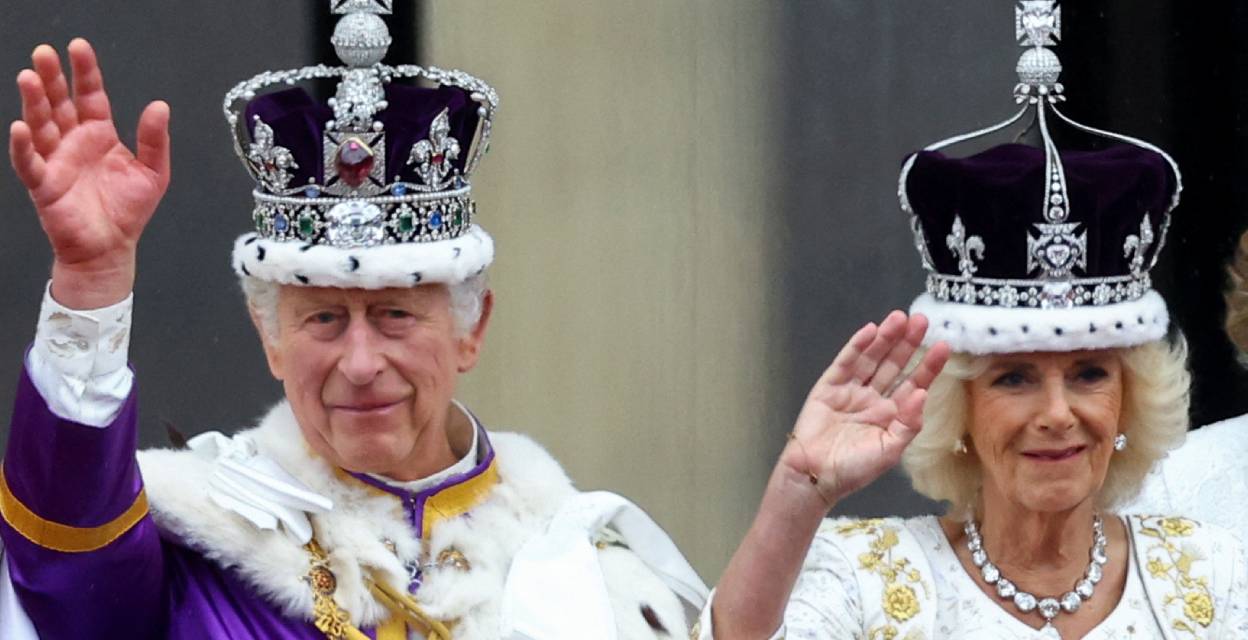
column 966, row 250
column 273, row 164
column 1136, row 246
column 433, row 156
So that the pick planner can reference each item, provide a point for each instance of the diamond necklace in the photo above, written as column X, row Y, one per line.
column 1048, row 607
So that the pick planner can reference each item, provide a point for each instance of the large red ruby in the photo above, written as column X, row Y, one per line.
column 438, row 159
column 355, row 162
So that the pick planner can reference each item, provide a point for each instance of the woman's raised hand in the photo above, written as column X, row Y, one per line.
column 93, row 196
column 857, row 420
column 864, row 409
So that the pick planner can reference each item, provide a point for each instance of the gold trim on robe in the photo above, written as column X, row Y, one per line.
column 456, row 500
column 63, row 537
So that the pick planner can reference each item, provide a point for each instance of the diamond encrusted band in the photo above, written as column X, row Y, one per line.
column 364, row 222
column 1060, row 294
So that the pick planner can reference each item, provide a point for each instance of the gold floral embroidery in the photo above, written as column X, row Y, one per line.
column 1197, row 606
column 900, row 602
column 1177, row 527
column 899, row 599
column 1171, row 559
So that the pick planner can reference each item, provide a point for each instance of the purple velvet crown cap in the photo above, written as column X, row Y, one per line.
column 298, row 123
column 999, row 194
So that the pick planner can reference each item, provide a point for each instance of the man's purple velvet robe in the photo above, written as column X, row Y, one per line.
column 138, row 585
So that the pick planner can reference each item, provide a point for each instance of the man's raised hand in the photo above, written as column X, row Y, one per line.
column 93, row 195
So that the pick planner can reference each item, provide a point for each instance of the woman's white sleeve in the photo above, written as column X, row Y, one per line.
column 825, row 603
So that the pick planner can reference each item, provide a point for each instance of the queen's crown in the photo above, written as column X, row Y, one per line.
column 1017, row 226
column 381, row 162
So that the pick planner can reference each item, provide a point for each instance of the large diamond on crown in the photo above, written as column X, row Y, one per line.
column 355, row 223
column 1058, row 249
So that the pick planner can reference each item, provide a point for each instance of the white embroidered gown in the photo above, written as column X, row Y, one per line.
column 900, row 579
column 1206, row 479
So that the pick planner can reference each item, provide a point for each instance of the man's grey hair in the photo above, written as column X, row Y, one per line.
column 466, row 301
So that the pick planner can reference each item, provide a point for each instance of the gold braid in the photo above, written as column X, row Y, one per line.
column 332, row 621
column 328, row 617
column 405, row 607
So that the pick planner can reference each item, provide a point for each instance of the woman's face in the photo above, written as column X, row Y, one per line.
column 1043, row 426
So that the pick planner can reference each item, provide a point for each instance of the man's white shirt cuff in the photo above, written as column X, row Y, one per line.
column 78, row 362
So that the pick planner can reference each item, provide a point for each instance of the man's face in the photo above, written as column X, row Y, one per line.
column 370, row 373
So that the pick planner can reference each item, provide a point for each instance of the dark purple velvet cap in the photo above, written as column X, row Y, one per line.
column 998, row 195
column 298, row 123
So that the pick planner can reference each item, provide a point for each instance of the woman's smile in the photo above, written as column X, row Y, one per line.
column 1051, row 455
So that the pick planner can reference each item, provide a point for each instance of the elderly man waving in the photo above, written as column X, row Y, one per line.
column 367, row 504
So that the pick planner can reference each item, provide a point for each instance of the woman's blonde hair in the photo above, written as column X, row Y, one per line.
column 1154, row 416
column 1237, row 298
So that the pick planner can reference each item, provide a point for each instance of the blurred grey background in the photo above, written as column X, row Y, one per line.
column 694, row 203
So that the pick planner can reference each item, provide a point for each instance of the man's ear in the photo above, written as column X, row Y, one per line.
column 271, row 351
column 470, row 344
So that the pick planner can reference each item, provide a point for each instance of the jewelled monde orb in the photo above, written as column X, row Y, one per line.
column 354, row 162
column 355, row 223
column 361, row 39
column 1039, row 67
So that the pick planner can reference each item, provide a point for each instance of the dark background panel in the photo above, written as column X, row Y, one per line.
column 872, row 81
column 1171, row 73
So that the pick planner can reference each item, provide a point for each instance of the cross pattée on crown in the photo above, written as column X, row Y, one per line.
column 1037, row 23
column 383, row 7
